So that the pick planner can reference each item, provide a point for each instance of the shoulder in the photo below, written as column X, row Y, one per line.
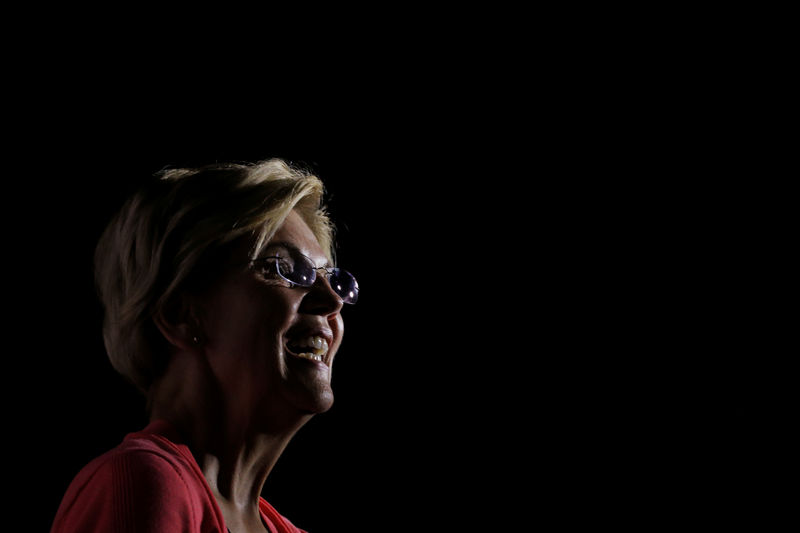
column 138, row 486
column 136, row 464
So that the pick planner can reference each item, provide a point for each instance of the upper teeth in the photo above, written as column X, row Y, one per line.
column 318, row 345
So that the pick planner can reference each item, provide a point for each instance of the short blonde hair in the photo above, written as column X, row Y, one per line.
column 167, row 230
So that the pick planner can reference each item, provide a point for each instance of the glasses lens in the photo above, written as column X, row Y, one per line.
column 298, row 269
column 345, row 285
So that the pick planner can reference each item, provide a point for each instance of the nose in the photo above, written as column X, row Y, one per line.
column 321, row 299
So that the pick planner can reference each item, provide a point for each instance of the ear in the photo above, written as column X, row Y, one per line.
column 177, row 321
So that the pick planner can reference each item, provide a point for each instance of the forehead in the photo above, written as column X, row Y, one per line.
column 295, row 232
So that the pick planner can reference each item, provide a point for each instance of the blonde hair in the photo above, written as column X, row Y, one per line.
column 169, row 229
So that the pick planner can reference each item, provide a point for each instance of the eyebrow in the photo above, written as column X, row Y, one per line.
column 292, row 248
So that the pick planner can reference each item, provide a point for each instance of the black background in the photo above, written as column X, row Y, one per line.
column 519, row 337
column 562, row 317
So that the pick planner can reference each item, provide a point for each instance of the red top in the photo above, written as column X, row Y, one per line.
column 150, row 483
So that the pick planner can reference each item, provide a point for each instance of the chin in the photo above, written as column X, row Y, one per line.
column 311, row 401
column 322, row 403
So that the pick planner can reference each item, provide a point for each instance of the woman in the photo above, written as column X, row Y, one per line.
column 223, row 307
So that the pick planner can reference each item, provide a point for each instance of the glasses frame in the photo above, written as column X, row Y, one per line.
column 329, row 271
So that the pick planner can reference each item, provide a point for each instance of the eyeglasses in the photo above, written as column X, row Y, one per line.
column 300, row 271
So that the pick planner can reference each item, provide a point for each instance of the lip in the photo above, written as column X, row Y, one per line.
column 312, row 331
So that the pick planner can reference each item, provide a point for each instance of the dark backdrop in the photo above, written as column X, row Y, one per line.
column 553, row 323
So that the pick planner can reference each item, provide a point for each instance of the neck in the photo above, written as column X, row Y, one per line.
column 236, row 471
column 235, row 454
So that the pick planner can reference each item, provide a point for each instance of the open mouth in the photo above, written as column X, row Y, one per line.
column 313, row 348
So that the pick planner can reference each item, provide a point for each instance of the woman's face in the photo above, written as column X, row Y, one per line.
column 263, row 339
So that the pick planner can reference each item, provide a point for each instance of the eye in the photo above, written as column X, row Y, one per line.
column 275, row 266
column 285, row 265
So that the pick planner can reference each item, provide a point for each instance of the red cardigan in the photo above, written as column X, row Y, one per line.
column 150, row 483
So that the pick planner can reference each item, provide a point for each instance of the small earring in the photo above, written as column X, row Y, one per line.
column 196, row 339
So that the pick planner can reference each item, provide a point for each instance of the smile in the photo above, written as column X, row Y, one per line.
column 313, row 348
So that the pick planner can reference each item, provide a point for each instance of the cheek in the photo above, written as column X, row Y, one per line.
column 245, row 331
